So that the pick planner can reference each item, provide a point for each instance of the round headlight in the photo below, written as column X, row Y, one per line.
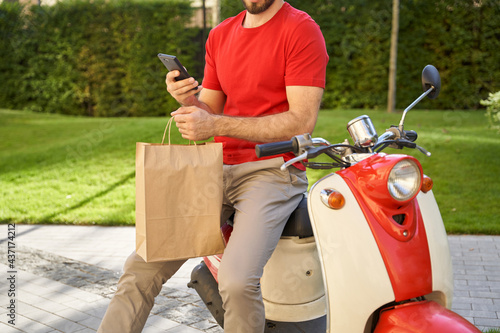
column 404, row 180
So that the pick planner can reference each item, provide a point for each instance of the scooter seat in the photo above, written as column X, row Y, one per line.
column 299, row 223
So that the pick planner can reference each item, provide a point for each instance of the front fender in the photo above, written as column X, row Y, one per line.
column 420, row 317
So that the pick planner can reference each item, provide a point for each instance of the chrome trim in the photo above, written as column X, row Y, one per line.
column 324, row 194
column 355, row 158
column 362, row 131
column 293, row 160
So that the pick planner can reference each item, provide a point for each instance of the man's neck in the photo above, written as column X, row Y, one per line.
column 256, row 20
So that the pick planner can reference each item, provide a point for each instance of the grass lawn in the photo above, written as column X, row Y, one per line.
column 75, row 170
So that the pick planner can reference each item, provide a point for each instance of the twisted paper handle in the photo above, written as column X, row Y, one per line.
column 169, row 126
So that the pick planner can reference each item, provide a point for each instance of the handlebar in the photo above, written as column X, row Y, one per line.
column 276, row 148
column 304, row 147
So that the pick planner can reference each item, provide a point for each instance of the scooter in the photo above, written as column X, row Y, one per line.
column 366, row 249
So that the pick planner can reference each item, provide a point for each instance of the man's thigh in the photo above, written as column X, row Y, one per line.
column 263, row 198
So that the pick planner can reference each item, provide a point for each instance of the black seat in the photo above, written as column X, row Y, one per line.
column 299, row 223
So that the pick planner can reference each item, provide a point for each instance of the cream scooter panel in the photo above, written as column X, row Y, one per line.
column 442, row 271
column 356, row 279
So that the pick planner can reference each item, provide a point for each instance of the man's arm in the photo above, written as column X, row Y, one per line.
column 197, row 123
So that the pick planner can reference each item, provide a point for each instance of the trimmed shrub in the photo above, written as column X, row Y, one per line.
column 493, row 110
column 460, row 37
column 96, row 58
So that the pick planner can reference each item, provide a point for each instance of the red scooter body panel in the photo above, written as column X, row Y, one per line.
column 213, row 262
column 420, row 317
column 403, row 246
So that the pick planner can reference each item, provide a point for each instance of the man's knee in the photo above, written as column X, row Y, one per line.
column 238, row 286
column 141, row 275
column 134, row 263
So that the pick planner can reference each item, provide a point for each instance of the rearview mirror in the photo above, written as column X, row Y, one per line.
column 431, row 78
column 431, row 83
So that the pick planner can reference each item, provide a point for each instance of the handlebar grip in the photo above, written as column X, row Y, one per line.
column 275, row 148
column 411, row 135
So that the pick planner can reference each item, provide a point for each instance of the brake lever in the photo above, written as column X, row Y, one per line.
column 409, row 144
column 310, row 153
column 422, row 150
column 405, row 143
column 293, row 161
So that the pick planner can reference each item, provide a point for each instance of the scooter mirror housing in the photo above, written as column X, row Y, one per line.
column 431, row 83
column 431, row 78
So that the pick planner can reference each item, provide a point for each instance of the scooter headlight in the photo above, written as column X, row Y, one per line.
column 404, row 180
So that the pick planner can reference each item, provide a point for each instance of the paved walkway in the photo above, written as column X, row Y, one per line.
column 64, row 276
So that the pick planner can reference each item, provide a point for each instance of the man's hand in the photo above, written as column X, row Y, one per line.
column 194, row 123
column 183, row 91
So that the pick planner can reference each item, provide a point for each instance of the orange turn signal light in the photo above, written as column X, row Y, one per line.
column 332, row 198
column 427, row 184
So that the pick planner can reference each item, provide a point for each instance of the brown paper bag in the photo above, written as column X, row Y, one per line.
column 178, row 200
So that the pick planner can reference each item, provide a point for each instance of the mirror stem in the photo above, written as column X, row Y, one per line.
column 401, row 124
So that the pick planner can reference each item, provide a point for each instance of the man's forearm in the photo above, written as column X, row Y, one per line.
column 277, row 127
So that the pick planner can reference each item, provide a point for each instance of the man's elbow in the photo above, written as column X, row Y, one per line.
column 305, row 126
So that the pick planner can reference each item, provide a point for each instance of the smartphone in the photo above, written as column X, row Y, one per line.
column 172, row 64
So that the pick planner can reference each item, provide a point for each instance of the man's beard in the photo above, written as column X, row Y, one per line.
column 254, row 8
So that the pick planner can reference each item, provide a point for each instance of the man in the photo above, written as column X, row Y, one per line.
column 264, row 79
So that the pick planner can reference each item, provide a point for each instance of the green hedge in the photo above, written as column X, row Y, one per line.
column 94, row 58
column 98, row 58
column 460, row 38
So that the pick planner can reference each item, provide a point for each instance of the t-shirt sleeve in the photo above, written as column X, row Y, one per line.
column 210, row 79
column 306, row 57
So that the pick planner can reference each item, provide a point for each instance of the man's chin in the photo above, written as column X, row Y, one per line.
column 256, row 8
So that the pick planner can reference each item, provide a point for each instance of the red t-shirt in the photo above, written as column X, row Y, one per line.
column 253, row 67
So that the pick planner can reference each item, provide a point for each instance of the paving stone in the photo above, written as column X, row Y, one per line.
column 29, row 325
column 485, row 294
column 486, row 307
column 216, row 329
column 91, row 322
column 86, row 330
column 172, row 304
column 9, row 328
column 461, row 306
column 161, row 323
column 64, row 325
column 477, row 314
column 487, row 323
column 73, row 315
column 204, row 325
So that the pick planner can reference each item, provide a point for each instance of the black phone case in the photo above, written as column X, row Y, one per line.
column 172, row 63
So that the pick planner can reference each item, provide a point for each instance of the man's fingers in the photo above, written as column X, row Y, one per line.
column 178, row 90
column 184, row 130
column 189, row 89
column 183, row 110
column 170, row 77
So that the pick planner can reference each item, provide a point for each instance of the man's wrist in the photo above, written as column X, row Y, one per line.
column 190, row 101
column 218, row 126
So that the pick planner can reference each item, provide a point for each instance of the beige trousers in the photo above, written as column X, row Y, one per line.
column 262, row 197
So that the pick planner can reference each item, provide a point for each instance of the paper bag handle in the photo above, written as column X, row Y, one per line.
column 169, row 126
